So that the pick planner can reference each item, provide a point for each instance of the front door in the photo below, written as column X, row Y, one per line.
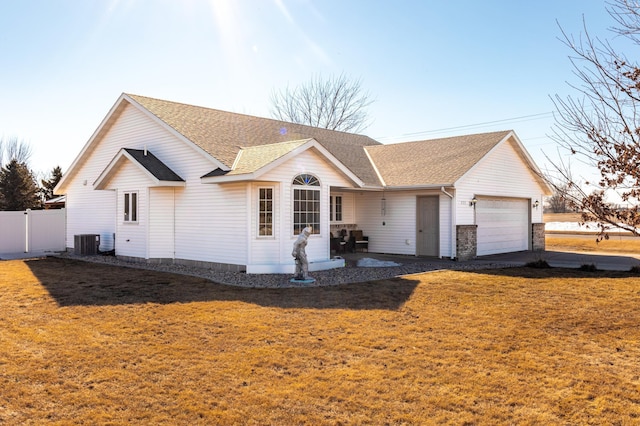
column 428, row 225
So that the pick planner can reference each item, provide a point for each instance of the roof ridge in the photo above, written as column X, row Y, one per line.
column 471, row 135
column 293, row 141
column 274, row 120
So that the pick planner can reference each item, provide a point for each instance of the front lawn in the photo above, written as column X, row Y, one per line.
column 97, row 344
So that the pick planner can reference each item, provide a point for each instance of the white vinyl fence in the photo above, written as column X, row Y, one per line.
column 32, row 231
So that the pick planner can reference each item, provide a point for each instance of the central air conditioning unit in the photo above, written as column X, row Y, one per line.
column 86, row 244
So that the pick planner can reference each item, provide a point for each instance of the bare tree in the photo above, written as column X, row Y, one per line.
column 13, row 148
column 337, row 103
column 601, row 124
column 558, row 202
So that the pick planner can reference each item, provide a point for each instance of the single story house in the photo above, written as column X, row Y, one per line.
column 161, row 181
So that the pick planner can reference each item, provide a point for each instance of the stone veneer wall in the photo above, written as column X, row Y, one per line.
column 466, row 242
column 537, row 237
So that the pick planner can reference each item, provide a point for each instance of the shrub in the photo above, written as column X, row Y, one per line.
column 540, row 264
column 588, row 267
column 635, row 269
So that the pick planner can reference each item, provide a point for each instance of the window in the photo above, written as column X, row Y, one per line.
column 306, row 203
column 265, row 215
column 130, row 206
column 335, row 208
column 306, row 179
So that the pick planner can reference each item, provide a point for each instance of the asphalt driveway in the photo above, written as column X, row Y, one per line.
column 556, row 259
column 561, row 259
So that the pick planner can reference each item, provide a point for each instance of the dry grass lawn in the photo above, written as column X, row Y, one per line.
column 96, row 344
column 562, row 217
column 614, row 244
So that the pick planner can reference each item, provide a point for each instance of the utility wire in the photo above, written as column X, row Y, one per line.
column 520, row 119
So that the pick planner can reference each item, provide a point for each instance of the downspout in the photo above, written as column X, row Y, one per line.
column 147, row 225
column 453, row 222
column 174, row 225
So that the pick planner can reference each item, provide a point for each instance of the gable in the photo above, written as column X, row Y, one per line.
column 254, row 162
column 155, row 171
column 308, row 162
column 436, row 162
column 506, row 170
column 126, row 124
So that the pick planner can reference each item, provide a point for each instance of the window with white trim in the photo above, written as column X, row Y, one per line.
column 306, row 203
column 335, row 208
column 130, row 207
column 265, row 212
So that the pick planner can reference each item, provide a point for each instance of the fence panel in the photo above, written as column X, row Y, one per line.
column 32, row 231
column 13, row 227
column 47, row 230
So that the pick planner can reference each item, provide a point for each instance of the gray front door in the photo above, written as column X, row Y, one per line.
column 428, row 225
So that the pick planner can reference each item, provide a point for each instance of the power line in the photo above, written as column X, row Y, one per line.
column 519, row 119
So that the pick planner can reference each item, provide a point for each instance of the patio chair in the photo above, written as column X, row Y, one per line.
column 359, row 241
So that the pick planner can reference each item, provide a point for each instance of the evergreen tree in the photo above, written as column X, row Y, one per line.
column 18, row 188
column 47, row 185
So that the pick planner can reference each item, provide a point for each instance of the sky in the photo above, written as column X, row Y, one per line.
column 434, row 68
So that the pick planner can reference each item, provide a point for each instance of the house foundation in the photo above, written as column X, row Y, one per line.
column 185, row 262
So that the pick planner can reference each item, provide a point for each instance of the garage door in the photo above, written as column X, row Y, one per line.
column 503, row 225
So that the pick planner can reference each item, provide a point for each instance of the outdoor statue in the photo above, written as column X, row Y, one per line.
column 300, row 255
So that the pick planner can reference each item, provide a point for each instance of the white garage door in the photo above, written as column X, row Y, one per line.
column 503, row 225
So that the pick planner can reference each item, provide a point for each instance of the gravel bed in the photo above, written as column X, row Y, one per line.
column 347, row 275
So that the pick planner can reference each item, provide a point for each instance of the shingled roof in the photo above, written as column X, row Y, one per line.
column 153, row 165
column 432, row 162
column 155, row 169
column 255, row 157
column 222, row 134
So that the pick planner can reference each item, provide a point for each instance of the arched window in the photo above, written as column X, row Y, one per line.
column 306, row 203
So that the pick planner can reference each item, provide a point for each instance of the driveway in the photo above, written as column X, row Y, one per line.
column 562, row 259
column 556, row 259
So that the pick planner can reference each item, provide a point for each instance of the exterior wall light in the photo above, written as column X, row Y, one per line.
column 473, row 202
column 535, row 204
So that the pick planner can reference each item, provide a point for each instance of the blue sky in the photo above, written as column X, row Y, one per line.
column 429, row 65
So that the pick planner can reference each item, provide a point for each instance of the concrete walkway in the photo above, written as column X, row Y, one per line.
column 30, row 255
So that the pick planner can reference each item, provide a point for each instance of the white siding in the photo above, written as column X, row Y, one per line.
column 264, row 249
column 318, row 245
column 90, row 212
column 131, row 237
column 395, row 232
column 210, row 219
column 503, row 173
column 211, row 222
column 348, row 208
